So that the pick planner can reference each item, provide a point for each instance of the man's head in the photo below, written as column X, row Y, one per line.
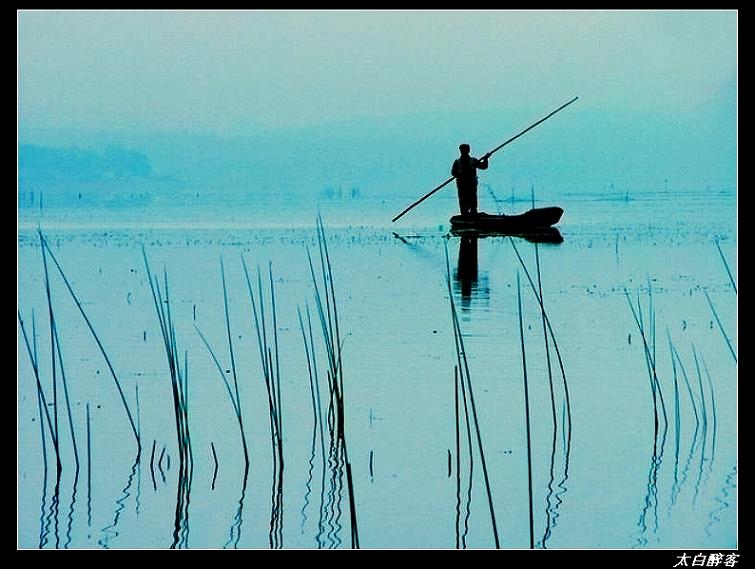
column 464, row 149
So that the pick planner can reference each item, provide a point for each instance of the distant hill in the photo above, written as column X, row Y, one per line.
column 51, row 164
column 64, row 176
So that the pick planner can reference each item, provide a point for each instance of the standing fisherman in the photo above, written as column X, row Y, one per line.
column 464, row 169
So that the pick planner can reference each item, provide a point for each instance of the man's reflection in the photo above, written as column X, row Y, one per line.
column 466, row 276
column 471, row 284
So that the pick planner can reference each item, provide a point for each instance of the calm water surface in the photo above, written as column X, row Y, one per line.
column 628, row 446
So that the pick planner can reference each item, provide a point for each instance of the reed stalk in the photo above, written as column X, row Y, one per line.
column 464, row 369
column 98, row 342
column 527, row 412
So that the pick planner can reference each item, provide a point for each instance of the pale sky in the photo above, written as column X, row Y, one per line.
column 228, row 71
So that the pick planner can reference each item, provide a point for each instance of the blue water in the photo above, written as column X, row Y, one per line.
column 604, row 477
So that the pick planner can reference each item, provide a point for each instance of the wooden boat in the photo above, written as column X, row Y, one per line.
column 528, row 222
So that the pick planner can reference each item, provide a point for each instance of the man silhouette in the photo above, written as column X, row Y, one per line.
column 464, row 169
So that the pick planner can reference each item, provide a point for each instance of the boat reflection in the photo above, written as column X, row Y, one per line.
column 541, row 235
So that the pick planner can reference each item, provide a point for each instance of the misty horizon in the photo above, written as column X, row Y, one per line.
column 231, row 104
